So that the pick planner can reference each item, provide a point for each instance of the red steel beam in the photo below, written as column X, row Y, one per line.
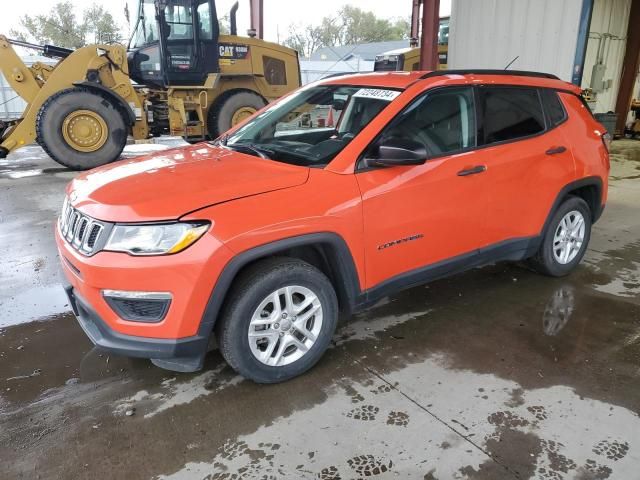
column 630, row 66
column 415, row 23
column 429, row 38
column 257, row 17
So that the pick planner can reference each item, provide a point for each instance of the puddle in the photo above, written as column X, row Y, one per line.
column 36, row 303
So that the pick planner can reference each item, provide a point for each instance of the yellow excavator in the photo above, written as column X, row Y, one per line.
column 408, row 59
column 178, row 76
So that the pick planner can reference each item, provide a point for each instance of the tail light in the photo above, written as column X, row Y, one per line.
column 606, row 139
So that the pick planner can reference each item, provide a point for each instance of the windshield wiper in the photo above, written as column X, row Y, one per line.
column 261, row 152
column 222, row 140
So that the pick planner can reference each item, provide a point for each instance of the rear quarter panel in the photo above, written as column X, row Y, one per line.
column 585, row 136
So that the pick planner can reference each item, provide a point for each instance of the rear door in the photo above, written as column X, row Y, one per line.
column 527, row 156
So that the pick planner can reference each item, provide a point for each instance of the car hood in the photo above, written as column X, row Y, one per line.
column 169, row 184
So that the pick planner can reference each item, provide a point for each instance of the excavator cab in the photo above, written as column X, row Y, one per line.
column 175, row 43
column 178, row 76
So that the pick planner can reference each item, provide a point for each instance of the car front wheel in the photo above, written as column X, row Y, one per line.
column 279, row 320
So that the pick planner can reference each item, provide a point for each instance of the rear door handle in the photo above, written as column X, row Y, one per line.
column 556, row 150
column 472, row 170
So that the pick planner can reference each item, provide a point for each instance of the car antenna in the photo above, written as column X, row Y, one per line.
column 511, row 62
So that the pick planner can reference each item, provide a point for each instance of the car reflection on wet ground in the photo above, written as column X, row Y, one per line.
column 494, row 373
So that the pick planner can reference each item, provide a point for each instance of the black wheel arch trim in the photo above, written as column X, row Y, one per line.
column 340, row 261
column 126, row 108
column 593, row 181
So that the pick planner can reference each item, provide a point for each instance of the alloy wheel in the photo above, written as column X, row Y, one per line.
column 568, row 237
column 285, row 325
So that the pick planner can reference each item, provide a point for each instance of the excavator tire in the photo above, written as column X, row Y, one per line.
column 232, row 108
column 81, row 129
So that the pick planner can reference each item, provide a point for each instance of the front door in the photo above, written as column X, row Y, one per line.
column 417, row 216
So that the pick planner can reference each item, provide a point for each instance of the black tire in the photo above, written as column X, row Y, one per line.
column 248, row 291
column 49, row 124
column 544, row 261
column 221, row 112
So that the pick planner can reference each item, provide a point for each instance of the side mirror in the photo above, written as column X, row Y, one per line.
column 338, row 104
column 397, row 152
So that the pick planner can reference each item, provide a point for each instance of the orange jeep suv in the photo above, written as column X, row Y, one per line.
column 345, row 191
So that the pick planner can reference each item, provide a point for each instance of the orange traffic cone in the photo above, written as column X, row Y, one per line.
column 330, row 117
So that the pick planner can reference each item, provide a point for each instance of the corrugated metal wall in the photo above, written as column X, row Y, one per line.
column 491, row 33
column 609, row 26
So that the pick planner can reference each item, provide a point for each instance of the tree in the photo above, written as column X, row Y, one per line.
column 101, row 26
column 350, row 26
column 62, row 28
column 305, row 40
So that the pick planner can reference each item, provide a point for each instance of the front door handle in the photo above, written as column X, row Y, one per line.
column 556, row 150
column 472, row 170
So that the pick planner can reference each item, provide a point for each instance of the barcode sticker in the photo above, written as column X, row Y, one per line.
column 377, row 93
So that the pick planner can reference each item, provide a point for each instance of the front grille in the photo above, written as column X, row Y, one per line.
column 80, row 231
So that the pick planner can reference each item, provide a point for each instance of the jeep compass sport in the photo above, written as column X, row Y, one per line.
column 342, row 192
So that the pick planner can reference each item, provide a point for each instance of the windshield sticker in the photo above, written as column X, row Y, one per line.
column 377, row 93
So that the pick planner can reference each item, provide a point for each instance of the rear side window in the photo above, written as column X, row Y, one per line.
column 553, row 107
column 510, row 113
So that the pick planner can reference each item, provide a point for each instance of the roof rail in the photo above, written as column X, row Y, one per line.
column 517, row 73
column 341, row 74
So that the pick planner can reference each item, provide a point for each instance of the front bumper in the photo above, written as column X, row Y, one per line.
column 179, row 340
column 185, row 354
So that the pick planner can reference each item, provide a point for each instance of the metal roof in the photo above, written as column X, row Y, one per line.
column 363, row 51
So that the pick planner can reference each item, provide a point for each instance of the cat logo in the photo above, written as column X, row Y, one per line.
column 233, row 51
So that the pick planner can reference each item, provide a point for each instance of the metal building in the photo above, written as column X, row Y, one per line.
column 587, row 42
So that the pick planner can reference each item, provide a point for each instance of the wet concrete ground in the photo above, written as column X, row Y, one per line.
column 495, row 373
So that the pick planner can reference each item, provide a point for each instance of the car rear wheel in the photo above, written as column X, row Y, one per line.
column 279, row 320
column 565, row 240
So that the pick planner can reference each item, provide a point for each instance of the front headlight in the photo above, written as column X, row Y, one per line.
column 154, row 239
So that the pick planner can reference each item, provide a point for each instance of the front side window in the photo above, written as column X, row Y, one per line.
column 443, row 121
column 311, row 126
column 178, row 15
column 510, row 113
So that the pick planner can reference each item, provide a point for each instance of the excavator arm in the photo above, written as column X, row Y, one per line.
column 102, row 67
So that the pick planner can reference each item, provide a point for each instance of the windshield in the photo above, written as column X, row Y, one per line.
column 178, row 18
column 146, row 31
column 311, row 126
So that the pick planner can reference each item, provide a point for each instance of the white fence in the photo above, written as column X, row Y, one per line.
column 11, row 105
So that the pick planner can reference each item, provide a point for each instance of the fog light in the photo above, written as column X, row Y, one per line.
column 137, row 306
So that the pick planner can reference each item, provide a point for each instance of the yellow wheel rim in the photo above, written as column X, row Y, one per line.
column 241, row 114
column 85, row 131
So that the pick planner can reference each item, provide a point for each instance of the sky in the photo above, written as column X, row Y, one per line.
column 278, row 15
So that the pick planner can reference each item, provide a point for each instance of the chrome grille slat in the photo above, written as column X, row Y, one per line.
column 80, row 231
